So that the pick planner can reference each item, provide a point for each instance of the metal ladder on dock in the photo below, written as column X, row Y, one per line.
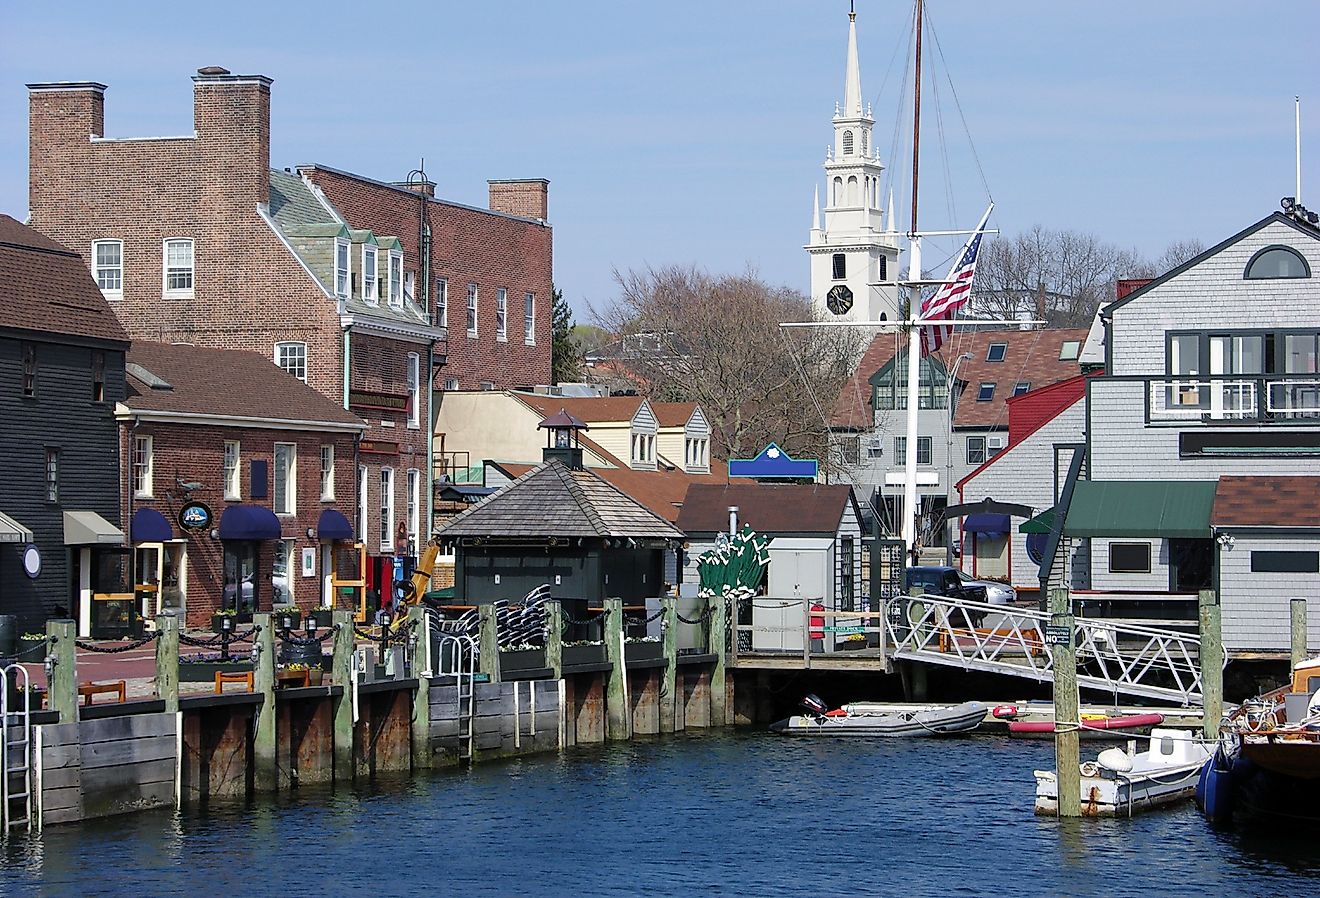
column 458, row 659
column 16, row 753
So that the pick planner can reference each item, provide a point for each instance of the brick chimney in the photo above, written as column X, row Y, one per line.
column 528, row 197
column 231, row 114
column 63, row 117
column 425, row 188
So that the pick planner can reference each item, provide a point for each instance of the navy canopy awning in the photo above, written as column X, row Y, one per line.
column 150, row 526
column 249, row 522
column 988, row 524
column 333, row 525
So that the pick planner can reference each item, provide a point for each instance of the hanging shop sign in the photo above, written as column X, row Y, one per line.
column 195, row 517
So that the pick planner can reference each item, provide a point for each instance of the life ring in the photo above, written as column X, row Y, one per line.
column 1004, row 712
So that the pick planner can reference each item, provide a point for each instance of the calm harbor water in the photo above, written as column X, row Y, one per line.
column 735, row 814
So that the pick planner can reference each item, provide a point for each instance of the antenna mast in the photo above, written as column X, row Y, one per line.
column 1297, row 125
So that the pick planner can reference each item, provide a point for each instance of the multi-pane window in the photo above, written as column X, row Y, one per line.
column 98, row 375
column 281, row 581
column 368, row 273
column 233, row 487
column 976, row 450
column 891, row 385
column 327, row 473
column 472, row 310
column 996, row 352
column 142, row 464
column 441, row 302
column 29, row 370
column 179, row 267
column 108, row 263
column 414, row 390
column 925, row 447
column 900, row 450
column 451, row 383
column 52, row 475
column 292, row 357
column 387, row 509
column 414, row 508
column 341, row 269
column 501, row 314
column 362, row 503
column 286, row 460
column 985, row 392
column 696, row 452
column 643, row 448
column 488, row 385
column 396, row 279
column 529, row 319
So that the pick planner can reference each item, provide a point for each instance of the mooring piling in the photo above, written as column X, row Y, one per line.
column 1211, row 660
column 1067, row 712
column 167, row 659
column 1297, row 628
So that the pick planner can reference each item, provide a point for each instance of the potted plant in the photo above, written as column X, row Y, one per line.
column 290, row 676
column 203, row 666
column 324, row 617
column 522, row 657
column 32, row 648
column 644, row 648
column 226, row 619
column 583, row 652
column 287, row 617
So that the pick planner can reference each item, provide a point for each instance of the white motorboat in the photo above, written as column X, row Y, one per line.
column 1120, row 783
column 943, row 720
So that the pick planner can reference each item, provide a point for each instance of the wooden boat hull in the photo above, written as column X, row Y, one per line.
column 934, row 722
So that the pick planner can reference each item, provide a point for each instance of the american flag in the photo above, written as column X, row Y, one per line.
column 953, row 294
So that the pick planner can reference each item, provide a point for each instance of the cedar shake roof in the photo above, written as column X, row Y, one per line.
column 1268, row 501
column 1029, row 357
column 768, row 508
column 46, row 287
column 552, row 500
column 228, row 382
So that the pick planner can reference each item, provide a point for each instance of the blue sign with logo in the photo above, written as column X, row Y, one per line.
column 195, row 516
column 773, row 463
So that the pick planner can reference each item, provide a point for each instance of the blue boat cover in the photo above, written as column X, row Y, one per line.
column 333, row 525
column 989, row 524
column 150, row 526
column 249, row 522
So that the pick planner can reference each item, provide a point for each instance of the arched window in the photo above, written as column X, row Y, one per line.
column 847, row 143
column 840, row 266
column 852, row 191
column 1277, row 262
column 838, row 192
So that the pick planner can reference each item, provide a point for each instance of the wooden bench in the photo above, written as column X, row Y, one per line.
column 87, row 690
column 221, row 678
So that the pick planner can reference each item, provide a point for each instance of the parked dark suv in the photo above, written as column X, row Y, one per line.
column 944, row 581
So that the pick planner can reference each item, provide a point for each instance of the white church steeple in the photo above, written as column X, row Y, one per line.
column 853, row 249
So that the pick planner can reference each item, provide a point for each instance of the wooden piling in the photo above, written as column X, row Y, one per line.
column 1211, row 659
column 1298, row 630
column 668, row 677
column 618, row 718
column 167, row 659
column 341, row 666
column 62, row 689
column 554, row 638
column 718, row 689
column 1067, row 714
column 489, row 657
column 421, row 701
column 264, row 749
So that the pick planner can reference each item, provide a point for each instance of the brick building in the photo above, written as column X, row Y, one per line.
column 271, row 463
column 197, row 239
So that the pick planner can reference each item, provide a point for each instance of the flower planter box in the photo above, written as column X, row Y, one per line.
column 574, row 655
column 523, row 659
column 205, row 671
column 643, row 651
column 32, row 651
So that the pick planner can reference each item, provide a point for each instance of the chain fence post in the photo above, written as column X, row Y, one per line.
column 62, row 667
column 669, row 683
column 618, row 716
column 167, row 659
column 341, row 674
column 263, row 681
column 554, row 637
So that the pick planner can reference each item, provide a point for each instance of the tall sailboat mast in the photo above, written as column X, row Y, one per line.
column 910, row 509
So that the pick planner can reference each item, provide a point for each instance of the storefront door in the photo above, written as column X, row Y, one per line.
column 240, row 579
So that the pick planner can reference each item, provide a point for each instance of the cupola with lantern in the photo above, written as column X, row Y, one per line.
column 562, row 439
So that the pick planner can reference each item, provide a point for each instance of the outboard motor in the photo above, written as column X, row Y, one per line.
column 814, row 705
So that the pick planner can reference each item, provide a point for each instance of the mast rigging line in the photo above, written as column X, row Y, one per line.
column 957, row 104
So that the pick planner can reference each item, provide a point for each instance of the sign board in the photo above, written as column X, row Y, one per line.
column 773, row 464
column 924, row 478
column 195, row 517
column 1057, row 635
column 845, row 630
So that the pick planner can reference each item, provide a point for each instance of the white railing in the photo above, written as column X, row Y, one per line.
column 1116, row 657
column 1182, row 399
column 1293, row 398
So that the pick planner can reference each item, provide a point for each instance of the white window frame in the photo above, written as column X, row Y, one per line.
column 178, row 292
column 410, row 287
column 473, row 307
column 441, row 302
column 98, row 268
column 451, row 384
column 414, row 390
column 929, row 444
column 290, row 506
column 414, row 509
column 233, row 476
column 327, row 472
column 370, row 273
column 394, row 279
column 387, row 510
column 289, row 548
column 529, row 319
column 343, row 254
column 280, row 349
column 363, row 478
column 143, row 465
column 501, row 314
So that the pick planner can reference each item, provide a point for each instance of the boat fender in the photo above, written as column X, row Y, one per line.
column 1090, row 768
column 837, row 712
column 1115, row 759
column 1004, row 712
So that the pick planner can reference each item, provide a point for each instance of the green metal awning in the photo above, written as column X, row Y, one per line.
column 1041, row 523
column 1141, row 508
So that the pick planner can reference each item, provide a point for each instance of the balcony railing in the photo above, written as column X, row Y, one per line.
column 1256, row 400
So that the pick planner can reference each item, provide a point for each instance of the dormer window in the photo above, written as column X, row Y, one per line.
column 341, row 269
column 847, row 143
column 643, row 449
column 369, row 273
column 697, row 454
column 1277, row 262
column 396, row 279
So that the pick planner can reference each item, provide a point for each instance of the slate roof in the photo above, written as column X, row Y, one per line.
column 1267, row 501
column 767, row 507
column 46, row 287
column 228, row 382
column 552, row 500
column 292, row 205
column 1029, row 356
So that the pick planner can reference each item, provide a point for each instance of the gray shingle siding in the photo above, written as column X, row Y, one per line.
column 1157, row 580
column 1255, row 610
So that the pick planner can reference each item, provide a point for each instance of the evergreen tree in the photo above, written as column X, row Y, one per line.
column 565, row 354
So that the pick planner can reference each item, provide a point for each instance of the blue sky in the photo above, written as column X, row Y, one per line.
column 686, row 132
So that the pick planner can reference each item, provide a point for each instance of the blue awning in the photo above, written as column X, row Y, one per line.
column 249, row 522
column 150, row 526
column 333, row 525
column 988, row 524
